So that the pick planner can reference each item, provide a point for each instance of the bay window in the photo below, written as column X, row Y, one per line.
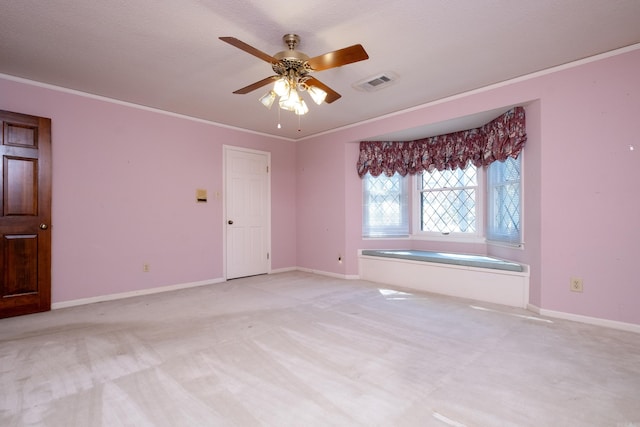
column 447, row 175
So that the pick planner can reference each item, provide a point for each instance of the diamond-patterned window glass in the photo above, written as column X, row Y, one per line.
column 504, row 201
column 385, row 206
column 448, row 200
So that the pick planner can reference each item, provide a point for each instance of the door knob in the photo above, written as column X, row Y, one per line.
column 230, row 222
column 43, row 226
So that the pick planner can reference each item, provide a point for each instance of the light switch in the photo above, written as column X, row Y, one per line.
column 201, row 195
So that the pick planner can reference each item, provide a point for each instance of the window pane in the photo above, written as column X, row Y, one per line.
column 448, row 200
column 504, row 191
column 450, row 178
column 385, row 210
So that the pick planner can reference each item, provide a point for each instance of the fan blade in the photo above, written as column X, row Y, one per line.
column 332, row 95
column 249, row 49
column 256, row 85
column 338, row 58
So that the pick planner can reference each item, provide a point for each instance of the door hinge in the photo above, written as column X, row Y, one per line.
column 267, row 255
column 267, row 169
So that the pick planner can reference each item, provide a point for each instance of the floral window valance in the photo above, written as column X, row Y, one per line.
column 499, row 139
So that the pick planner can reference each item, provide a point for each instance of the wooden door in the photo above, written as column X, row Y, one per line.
column 25, row 214
column 247, row 208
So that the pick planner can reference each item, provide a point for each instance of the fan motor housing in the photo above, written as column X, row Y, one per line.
column 291, row 59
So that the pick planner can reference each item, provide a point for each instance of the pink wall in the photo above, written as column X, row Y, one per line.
column 124, row 182
column 582, row 204
column 590, row 195
column 321, row 206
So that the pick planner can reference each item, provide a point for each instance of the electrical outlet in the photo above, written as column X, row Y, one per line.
column 576, row 284
column 146, row 267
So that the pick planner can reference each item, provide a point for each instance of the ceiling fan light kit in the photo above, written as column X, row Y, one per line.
column 268, row 98
column 293, row 69
column 317, row 94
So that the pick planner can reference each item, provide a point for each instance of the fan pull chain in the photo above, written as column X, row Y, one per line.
column 279, row 126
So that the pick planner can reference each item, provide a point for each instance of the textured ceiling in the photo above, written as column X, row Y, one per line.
column 166, row 54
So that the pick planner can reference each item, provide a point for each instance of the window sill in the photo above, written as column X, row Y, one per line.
column 519, row 246
column 405, row 237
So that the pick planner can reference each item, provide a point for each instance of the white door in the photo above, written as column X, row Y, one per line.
column 247, row 208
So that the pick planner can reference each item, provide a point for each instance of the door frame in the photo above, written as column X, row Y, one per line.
column 225, row 149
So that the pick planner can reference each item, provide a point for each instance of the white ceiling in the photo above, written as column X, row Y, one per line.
column 166, row 54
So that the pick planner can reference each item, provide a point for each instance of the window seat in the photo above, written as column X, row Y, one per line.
column 475, row 277
column 446, row 258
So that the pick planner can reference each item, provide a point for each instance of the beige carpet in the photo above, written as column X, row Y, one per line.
column 297, row 349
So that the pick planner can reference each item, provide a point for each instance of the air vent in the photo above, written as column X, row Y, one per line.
column 376, row 82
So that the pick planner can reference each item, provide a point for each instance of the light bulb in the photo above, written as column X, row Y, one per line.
column 281, row 87
column 268, row 98
column 301, row 108
column 290, row 100
column 318, row 95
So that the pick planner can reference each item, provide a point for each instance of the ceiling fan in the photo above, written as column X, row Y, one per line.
column 293, row 69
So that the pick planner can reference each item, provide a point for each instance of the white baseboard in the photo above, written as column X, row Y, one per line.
column 613, row 324
column 111, row 297
column 150, row 291
column 327, row 273
column 283, row 270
